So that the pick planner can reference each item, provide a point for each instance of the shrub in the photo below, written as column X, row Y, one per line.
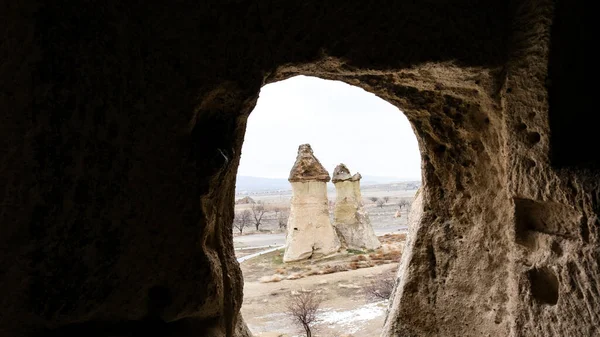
column 382, row 286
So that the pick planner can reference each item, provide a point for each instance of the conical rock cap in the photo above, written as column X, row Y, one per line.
column 307, row 167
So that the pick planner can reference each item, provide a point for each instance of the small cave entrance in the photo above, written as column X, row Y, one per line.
column 544, row 285
column 343, row 124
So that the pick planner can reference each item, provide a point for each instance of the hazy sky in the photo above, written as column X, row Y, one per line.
column 342, row 123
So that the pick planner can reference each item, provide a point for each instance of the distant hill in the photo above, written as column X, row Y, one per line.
column 247, row 183
column 374, row 180
column 253, row 184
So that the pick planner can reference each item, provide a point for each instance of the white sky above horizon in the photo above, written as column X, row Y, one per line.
column 342, row 123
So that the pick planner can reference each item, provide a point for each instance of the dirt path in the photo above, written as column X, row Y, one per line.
column 345, row 310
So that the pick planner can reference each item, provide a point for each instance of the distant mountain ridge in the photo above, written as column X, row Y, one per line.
column 250, row 183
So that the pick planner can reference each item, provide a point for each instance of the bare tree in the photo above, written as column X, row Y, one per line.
column 386, row 199
column 282, row 218
column 380, row 202
column 276, row 210
column 403, row 203
column 381, row 287
column 258, row 211
column 302, row 308
column 373, row 199
column 242, row 219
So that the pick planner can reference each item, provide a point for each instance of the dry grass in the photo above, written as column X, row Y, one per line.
column 272, row 278
column 376, row 256
column 311, row 272
column 269, row 268
column 295, row 276
column 392, row 238
column 388, row 253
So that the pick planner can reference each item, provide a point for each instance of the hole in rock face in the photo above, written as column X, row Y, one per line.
column 556, row 248
column 535, row 218
column 533, row 138
column 440, row 149
column 521, row 127
column 529, row 163
column 544, row 285
column 584, row 230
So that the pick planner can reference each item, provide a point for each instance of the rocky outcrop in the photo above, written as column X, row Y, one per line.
column 415, row 212
column 350, row 220
column 309, row 230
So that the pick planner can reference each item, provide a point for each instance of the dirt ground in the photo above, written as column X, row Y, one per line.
column 346, row 310
column 342, row 280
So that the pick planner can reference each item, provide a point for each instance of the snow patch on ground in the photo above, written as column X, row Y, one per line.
column 351, row 320
column 279, row 322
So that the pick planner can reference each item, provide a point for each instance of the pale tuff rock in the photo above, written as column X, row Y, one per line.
column 416, row 212
column 350, row 219
column 310, row 233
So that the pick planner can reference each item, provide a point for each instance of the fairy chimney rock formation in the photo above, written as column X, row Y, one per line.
column 310, row 233
column 350, row 219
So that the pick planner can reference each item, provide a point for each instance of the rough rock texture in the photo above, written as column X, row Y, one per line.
column 342, row 173
column 415, row 215
column 307, row 167
column 309, row 230
column 416, row 211
column 350, row 220
column 121, row 130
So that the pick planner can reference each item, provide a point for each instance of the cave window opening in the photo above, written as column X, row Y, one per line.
column 343, row 124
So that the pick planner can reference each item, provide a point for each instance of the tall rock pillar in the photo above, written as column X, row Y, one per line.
column 350, row 219
column 310, row 233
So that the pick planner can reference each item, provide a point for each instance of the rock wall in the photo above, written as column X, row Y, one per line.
column 350, row 220
column 403, row 275
column 554, row 184
column 122, row 125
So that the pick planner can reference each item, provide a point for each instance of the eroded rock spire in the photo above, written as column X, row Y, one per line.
column 349, row 218
column 310, row 232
